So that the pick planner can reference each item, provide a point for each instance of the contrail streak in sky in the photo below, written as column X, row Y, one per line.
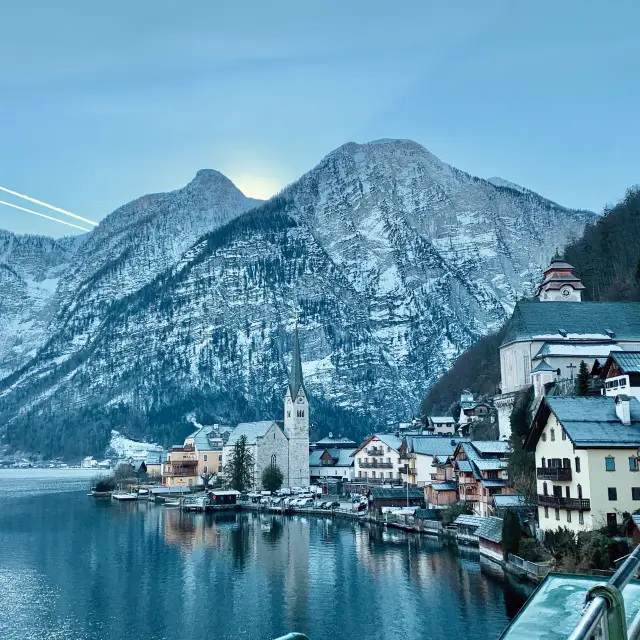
column 49, row 206
column 42, row 215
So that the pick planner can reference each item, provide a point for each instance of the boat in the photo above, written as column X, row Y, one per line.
column 172, row 503
column 124, row 496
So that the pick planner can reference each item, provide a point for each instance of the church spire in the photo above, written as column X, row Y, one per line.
column 295, row 377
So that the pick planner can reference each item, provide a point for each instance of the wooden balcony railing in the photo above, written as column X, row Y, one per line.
column 554, row 473
column 580, row 504
column 375, row 464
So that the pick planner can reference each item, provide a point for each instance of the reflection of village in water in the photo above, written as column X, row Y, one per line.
column 276, row 542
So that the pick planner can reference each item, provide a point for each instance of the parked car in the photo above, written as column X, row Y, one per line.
column 334, row 505
column 324, row 505
column 307, row 502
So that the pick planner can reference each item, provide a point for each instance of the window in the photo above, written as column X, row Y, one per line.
column 205, row 469
column 388, row 449
column 568, row 492
column 544, row 488
column 557, row 514
column 613, row 493
column 633, row 464
column 546, row 512
column 359, row 474
column 300, row 413
column 566, row 463
column 288, row 414
column 205, row 457
column 273, row 460
column 220, row 458
column 219, row 468
column 544, row 437
column 568, row 515
column 635, row 493
column 373, row 474
column 391, row 474
column 544, row 461
column 581, row 517
column 577, row 465
column 564, row 437
column 579, row 492
column 274, row 435
column 527, row 367
column 610, row 463
column 553, row 434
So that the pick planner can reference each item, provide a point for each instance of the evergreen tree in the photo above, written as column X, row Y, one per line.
column 272, row 478
column 239, row 468
column 511, row 533
column 519, row 418
column 583, row 379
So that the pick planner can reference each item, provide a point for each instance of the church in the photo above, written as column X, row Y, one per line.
column 547, row 338
column 284, row 444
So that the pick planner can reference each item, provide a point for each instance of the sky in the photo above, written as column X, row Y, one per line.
column 102, row 103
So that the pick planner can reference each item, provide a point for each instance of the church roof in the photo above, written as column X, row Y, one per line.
column 559, row 264
column 295, row 376
column 579, row 321
column 588, row 350
column 252, row 431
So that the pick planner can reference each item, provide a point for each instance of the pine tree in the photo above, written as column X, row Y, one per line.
column 583, row 379
column 511, row 533
column 272, row 478
column 239, row 468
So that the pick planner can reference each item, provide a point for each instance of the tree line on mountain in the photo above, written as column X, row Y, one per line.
column 607, row 260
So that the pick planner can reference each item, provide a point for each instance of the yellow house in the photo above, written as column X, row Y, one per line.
column 208, row 448
column 587, row 465
column 181, row 467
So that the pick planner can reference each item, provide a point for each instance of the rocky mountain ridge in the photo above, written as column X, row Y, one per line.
column 395, row 260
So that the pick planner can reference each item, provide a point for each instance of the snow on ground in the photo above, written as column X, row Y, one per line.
column 126, row 448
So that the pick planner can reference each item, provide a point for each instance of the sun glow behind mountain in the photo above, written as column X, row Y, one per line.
column 254, row 186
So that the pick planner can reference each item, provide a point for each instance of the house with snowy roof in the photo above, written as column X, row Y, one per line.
column 621, row 374
column 332, row 462
column 547, row 338
column 377, row 460
column 421, row 455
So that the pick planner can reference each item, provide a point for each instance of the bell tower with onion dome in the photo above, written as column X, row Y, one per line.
column 560, row 284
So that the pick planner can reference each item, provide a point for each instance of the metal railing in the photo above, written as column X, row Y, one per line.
column 375, row 451
column 604, row 615
column 553, row 473
column 374, row 464
column 533, row 568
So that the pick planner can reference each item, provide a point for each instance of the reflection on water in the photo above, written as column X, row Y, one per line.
column 77, row 568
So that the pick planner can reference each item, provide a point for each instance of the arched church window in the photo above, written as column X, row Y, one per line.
column 288, row 414
column 273, row 460
column 527, row 367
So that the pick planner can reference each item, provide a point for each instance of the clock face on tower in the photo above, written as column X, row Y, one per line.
column 565, row 292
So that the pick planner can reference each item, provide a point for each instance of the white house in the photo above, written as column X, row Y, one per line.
column 546, row 342
column 419, row 453
column 439, row 425
column 587, row 465
column 332, row 463
column 377, row 459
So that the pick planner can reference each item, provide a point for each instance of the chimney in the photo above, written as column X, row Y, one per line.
column 623, row 410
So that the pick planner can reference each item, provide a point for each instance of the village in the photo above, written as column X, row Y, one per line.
column 570, row 383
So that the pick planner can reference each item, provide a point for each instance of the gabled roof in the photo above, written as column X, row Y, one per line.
column 580, row 321
column 492, row 483
column 491, row 529
column 252, row 430
column 444, row 486
column 491, row 446
column 627, row 361
column 440, row 419
column 543, row 365
column 469, row 520
column 380, row 493
column 330, row 441
column 490, row 465
column 342, row 457
column 202, row 435
column 386, row 438
column 588, row 350
column 434, row 445
column 464, row 465
column 295, row 376
column 504, row 501
column 589, row 421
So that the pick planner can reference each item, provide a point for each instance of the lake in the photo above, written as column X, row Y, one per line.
column 81, row 569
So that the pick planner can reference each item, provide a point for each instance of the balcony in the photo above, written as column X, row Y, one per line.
column 180, row 472
column 554, row 473
column 184, row 462
column 375, row 451
column 374, row 464
column 377, row 481
column 580, row 504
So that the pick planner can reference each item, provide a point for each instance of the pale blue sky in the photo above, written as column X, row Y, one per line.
column 104, row 102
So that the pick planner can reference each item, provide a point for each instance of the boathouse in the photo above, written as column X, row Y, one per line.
column 490, row 538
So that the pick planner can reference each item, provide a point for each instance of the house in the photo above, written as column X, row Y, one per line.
column 441, row 425
column 377, row 459
column 395, row 497
column 621, row 373
column 547, row 339
column 481, row 469
column 443, row 489
column 418, row 454
column 89, row 462
column 490, row 539
column 587, row 464
column 153, row 463
column 467, row 526
column 208, row 445
column 220, row 497
column 181, row 467
column 331, row 463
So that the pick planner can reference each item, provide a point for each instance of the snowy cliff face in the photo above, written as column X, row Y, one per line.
column 396, row 260
column 30, row 268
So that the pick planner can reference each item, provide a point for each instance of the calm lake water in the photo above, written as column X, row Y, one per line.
column 75, row 568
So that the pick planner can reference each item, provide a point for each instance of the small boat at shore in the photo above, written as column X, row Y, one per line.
column 99, row 494
column 172, row 503
column 124, row 496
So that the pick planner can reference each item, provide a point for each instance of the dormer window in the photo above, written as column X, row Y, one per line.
column 562, row 332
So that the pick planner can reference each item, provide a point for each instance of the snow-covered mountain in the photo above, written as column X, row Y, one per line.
column 30, row 269
column 396, row 260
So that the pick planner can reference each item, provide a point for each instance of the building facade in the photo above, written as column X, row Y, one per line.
column 377, row 459
column 335, row 463
column 181, row 467
column 587, row 465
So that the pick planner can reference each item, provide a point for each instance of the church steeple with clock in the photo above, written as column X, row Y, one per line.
column 560, row 283
column 296, row 421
